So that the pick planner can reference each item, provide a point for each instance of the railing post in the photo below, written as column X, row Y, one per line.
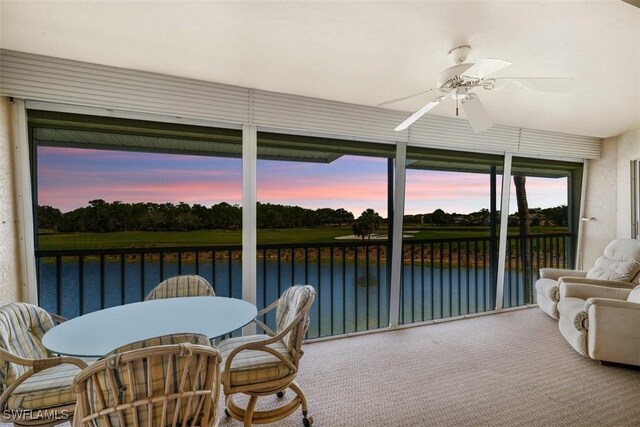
column 504, row 228
column 249, row 220
column 398, row 217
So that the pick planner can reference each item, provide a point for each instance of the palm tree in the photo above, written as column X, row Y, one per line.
column 524, row 228
column 366, row 224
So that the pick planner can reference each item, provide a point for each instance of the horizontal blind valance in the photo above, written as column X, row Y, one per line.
column 75, row 83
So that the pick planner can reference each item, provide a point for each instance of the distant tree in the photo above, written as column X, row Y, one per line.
column 440, row 217
column 368, row 222
column 342, row 216
column 153, row 220
column 558, row 215
column 186, row 221
column 273, row 219
column 49, row 218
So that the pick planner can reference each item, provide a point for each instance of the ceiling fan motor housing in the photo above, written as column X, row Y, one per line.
column 450, row 77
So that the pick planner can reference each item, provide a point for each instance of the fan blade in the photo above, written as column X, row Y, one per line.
column 476, row 114
column 484, row 68
column 421, row 112
column 393, row 101
column 531, row 84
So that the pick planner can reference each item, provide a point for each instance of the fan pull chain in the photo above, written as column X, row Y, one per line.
column 456, row 106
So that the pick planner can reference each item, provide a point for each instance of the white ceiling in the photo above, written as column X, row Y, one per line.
column 361, row 52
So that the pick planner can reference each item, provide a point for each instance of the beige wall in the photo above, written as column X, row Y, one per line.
column 628, row 149
column 9, row 261
column 600, row 201
column 608, row 196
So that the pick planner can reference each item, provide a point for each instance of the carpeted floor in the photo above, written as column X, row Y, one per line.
column 510, row 369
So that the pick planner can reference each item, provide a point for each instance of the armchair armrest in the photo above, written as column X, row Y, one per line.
column 611, row 303
column 585, row 291
column 37, row 365
column 57, row 317
column 557, row 273
column 598, row 282
column 262, row 345
column 264, row 311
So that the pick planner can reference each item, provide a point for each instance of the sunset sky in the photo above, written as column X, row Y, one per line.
column 68, row 178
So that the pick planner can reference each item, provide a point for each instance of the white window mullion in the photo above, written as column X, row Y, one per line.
column 504, row 228
column 398, row 217
column 581, row 223
column 249, row 219
column 26, row 242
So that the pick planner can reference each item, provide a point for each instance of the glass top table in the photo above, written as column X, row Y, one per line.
column 96, row 334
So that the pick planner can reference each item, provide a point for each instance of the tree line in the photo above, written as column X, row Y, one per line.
column 556, row 216
column 101, row 217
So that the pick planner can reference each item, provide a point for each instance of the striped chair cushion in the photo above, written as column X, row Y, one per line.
column 251, row 366
column 21, row 329
column 46, row 389
column 163, row 340
column 290, row 304
column 145, row 377
column 182, row 286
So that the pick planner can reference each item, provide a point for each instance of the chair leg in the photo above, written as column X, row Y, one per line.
column 306, row 420
column 251, row 406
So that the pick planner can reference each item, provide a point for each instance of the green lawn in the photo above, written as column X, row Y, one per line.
column 218, row 237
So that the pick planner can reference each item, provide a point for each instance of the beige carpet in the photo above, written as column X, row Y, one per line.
column 511, row 369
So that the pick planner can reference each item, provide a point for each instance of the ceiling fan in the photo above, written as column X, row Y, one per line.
column 459, row 80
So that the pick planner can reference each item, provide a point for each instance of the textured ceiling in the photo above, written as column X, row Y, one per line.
column 361, row 52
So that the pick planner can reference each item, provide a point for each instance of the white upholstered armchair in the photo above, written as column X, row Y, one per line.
column 600, row 322
column 618, row 267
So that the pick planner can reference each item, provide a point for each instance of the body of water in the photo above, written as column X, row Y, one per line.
column 352, row 296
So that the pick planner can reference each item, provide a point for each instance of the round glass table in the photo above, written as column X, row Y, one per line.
column 96, row 334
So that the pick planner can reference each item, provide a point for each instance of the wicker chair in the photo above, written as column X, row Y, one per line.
column 260, row 365
column 36, row 385
column 190, row 285
column 164, row 381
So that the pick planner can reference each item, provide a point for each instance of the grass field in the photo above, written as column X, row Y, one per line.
column 53, row 241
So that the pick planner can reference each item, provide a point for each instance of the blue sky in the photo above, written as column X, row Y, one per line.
column 68, row 178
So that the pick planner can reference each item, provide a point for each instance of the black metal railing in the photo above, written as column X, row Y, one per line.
column 441, row 277
column 455, row 277
column 350, row 278
column 446, row 278
column 525, row 257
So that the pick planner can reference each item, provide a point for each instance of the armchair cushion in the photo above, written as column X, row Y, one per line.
column 162, row 340
column 634, row 295
column 621, row 261
column 21, row 329
column 610, row 303
column 290, row 304
column 187, row 285
column 254, row 366
column 557, row 273
column 597, row 282
column 586, row 291
column 49, row 388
